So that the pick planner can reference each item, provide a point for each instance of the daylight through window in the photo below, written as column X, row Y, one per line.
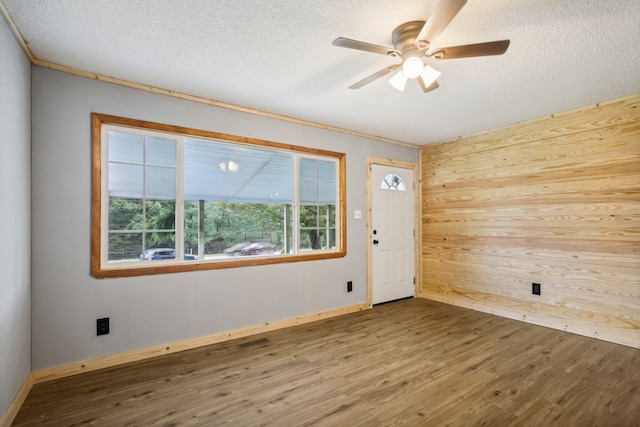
column 175, row 199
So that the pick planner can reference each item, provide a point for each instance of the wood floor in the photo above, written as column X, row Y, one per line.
column 412, row 362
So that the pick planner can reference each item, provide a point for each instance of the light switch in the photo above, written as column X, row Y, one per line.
column 357, row 214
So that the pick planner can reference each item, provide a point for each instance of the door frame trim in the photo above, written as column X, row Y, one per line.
column 416, row 221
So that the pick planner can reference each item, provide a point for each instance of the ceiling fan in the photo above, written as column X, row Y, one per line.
column 412, row 43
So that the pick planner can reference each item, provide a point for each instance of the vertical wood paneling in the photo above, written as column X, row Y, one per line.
column 554, row 201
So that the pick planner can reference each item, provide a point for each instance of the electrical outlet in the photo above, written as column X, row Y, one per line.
column 535, row 288
column 349, row 286
column 102, row 326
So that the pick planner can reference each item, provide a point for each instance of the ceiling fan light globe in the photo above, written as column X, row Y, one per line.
column 412, row 67
column 429, row 75
column 399, row 81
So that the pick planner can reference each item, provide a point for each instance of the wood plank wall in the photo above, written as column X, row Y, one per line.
column 554, row 201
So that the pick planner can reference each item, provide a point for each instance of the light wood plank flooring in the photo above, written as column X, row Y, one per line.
column 413, row 362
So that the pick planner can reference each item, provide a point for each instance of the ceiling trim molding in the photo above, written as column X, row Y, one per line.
column 211, row 102
column 16, row 33
column 184, row 96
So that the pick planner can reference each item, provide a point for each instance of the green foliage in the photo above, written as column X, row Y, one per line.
column 125, row 214
column 161, row 221
column 229, row 223
column 313, row 227
column 225, row 224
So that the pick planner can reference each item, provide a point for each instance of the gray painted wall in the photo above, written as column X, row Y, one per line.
column 152, row 310
column 15, row 217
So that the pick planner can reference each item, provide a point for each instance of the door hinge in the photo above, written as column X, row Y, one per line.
column 414, row 280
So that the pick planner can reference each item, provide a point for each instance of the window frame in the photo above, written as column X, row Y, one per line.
column 99, row 188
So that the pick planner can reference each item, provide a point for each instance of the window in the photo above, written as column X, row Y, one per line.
column 393, row 182
column 169, row 199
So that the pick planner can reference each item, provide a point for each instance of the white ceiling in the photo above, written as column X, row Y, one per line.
column 276, row 56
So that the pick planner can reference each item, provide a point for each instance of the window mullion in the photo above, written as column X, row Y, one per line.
column 295, row 205
column 179, row 227
column 144, row 194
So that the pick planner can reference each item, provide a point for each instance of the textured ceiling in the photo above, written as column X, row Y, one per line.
column 276, row 56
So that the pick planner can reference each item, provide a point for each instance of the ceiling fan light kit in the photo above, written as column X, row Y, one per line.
column 399, row 81
column 412, row 67
column 412, row 42
column 429, row 75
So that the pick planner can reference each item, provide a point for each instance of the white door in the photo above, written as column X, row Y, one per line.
column 392, row 233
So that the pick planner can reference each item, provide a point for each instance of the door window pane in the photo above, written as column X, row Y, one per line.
column 393, row 182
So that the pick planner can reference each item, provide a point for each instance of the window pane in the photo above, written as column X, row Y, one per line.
column 191, row 225
column 125, row 214
column 309, row 239
column 326, row 170
column 308, row 168
column 318, row 191
column 134, row 184
column 392, row 182
column 313, row 239
column 322, row 216
column 161, row 240
column 160, row 151
column 227, row 172
column 326, row 192
column 308, row 216
column 126, row 147
column 332, row 215
column 308, row 191
column 332, row 238
column 235, row 228
column 313, row 227
column 125, row 180
column 322, row 239
column 160, row 182
column 124, row 247
column 160, row 215
column 317, row 181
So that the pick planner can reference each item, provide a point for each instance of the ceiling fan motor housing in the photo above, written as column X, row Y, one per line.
column 404, row 36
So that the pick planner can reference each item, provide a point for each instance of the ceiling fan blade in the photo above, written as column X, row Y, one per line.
column 375, row 76
column 367, row 47
column 432, row 86
column 442, row 15
column 469, row 50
